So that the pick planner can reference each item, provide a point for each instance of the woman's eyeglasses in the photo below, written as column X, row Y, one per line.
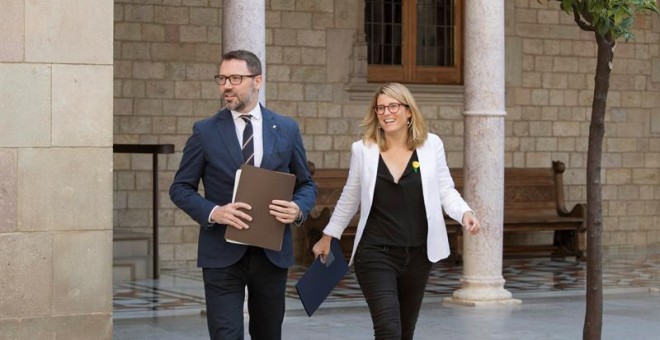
column 393, row 107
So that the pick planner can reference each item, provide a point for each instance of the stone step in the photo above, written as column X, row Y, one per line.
column 132, row 256
column 131, row 269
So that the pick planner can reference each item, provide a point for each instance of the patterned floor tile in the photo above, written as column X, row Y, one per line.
column 624, row 269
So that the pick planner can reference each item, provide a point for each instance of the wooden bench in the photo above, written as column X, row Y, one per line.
column 533, row 203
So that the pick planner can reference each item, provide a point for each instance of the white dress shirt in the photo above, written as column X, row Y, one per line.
column 257, row 123
column 257, row 136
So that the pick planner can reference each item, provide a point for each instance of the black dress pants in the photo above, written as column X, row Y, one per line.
column 225, row 294
column 393, row 280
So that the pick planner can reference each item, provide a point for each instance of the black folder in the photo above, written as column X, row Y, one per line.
column 259, row 187
column 320, row 278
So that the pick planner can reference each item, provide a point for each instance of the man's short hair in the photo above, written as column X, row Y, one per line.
column 252, row 61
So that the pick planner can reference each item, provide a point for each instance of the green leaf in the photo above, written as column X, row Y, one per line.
column 610, row 17
column 567, row 6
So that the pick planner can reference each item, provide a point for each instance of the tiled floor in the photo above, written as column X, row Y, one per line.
column 178, row 293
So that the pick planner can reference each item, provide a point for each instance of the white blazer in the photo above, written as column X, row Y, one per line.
column 437, row 186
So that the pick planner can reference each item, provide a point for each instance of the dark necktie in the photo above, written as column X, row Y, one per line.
column 248, row 143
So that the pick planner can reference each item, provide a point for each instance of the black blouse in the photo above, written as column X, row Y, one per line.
column 398, row 215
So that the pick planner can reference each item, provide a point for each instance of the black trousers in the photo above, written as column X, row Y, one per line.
column 393, row 280
column 225, row 294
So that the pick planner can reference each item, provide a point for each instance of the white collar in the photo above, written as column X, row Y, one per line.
column 255, row 112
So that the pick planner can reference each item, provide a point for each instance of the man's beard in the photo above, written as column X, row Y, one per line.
column 236, row 105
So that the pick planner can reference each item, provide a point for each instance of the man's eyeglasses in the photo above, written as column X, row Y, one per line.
column 393, row 107
column 234, row 79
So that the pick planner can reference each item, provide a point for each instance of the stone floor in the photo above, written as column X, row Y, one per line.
column 552, row 292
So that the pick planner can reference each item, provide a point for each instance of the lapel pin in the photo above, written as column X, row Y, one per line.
column 274, row 126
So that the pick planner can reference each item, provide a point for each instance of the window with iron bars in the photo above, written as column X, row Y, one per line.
column 414, row 41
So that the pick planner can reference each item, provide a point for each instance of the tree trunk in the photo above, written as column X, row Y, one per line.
column 593, row 321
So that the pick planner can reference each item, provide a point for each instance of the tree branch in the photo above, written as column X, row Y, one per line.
column 581, row 23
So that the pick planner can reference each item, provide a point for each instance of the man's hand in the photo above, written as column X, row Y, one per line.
column 232, row 214
column 284, row 211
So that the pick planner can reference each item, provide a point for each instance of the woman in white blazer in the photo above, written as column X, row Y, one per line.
column 399, row 177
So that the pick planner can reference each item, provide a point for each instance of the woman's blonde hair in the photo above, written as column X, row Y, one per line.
column 417, row 129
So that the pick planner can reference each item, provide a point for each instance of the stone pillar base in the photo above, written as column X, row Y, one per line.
column 482, row 292
column 481, row 303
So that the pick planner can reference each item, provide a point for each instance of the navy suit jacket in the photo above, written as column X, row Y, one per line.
column 212, row 155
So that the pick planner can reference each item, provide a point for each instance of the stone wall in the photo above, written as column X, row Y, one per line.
column 166, row 53
column 549, row 106
column 56, row 170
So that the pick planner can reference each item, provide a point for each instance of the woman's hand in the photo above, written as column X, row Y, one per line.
column 471, row 223
column 322, row 247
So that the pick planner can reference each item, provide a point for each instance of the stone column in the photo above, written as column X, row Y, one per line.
column 482, row 282
column 244, row 28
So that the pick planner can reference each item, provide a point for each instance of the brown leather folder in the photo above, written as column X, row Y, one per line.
column 259, row 187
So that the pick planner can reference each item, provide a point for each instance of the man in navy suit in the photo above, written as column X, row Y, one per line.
column 213, row 153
